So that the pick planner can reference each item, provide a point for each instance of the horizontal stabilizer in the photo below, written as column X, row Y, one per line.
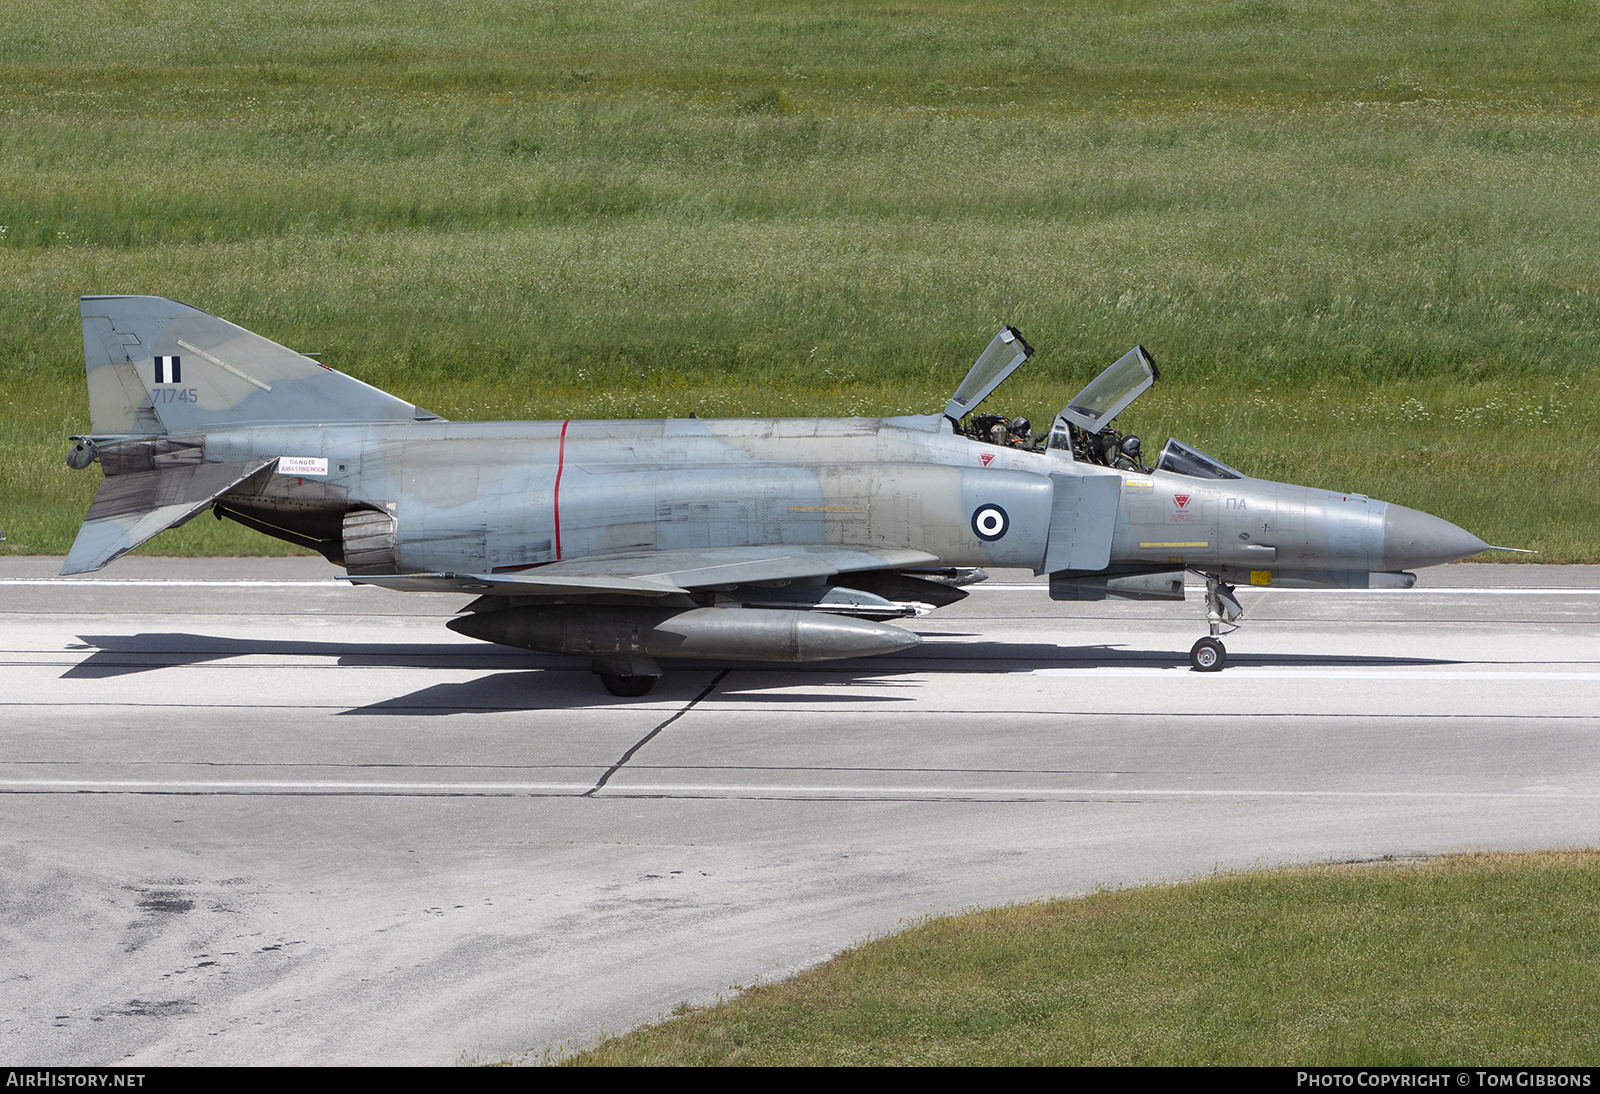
column 661, row 573
column 132, row 507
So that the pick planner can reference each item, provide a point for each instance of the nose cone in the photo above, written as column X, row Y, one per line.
column 1412, row 538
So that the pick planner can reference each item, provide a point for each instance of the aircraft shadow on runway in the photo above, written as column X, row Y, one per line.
column 123, row 654
column 536, row 681
column 554, row 686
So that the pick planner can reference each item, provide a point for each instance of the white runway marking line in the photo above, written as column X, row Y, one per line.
column 342, row 583
column 1251, row 672
column 1096, row 793
column 96, row 582
column 302, row 786
column 689, row 790
column 1469, row 590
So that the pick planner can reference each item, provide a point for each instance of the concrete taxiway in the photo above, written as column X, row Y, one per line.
column 249, row 814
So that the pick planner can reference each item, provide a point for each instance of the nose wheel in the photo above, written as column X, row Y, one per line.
column 1208, row 655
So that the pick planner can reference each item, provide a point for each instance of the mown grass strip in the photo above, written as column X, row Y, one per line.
column 1488, row 959
column 1358, row 237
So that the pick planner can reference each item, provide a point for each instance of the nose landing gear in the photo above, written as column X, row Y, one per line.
column 1208, row 654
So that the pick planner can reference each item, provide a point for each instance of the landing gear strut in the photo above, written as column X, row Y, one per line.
column 1209, row 654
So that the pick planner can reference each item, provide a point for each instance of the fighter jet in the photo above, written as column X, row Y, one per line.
column 752, row 539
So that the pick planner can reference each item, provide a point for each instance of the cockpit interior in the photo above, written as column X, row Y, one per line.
column 1084, row 428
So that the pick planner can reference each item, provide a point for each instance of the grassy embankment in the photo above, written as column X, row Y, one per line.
column 1481, row 959
column 1360, row 238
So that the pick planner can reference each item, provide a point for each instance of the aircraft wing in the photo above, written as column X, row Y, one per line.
column 661, row 573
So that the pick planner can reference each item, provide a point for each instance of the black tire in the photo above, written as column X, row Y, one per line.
column 1208, row 655
column 628, row 687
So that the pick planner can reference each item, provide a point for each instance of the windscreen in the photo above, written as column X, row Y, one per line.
column 1180, row 459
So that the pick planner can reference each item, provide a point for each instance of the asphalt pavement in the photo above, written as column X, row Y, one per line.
column 250, row 814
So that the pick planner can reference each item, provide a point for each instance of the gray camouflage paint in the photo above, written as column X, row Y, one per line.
column 652, row 508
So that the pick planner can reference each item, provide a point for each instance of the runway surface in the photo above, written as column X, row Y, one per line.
column 249, row 814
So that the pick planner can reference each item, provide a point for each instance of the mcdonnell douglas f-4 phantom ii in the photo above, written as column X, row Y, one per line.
column 762, row 539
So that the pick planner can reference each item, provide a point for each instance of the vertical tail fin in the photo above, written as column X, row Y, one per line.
column 162, row 374
column 159, row 366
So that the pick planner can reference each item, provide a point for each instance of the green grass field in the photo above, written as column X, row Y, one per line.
column 1359, row 237
column 1482, row 959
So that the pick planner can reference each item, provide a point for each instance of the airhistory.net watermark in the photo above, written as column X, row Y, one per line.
column 50, row 1078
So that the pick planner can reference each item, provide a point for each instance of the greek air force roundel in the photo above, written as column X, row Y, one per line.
column 990, row 522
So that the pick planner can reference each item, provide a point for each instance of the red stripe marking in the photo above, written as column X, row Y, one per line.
column 561, row 461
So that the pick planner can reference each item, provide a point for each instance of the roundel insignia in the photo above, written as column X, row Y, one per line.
column 990, row 522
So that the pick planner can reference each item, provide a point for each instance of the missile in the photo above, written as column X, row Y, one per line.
column 742, row 634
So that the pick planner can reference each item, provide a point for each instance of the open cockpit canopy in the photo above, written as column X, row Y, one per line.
column 1106, row 396
column 1003, row 357
column 1084, row 426
column 1109, row 394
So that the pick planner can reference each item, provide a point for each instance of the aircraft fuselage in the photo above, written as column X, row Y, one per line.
column 493, row 496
